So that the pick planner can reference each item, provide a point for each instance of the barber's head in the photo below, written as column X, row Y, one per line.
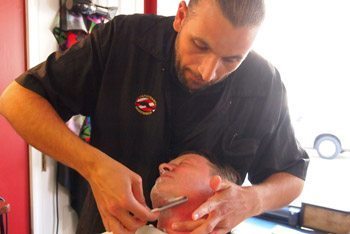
column 214, row 37
column 187, row 175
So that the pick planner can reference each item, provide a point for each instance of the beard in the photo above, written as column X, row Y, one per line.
column 181, row 71
column 192, row 80
column 159, row 195
column 178, row 65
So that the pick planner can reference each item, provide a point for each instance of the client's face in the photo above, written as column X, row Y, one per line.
column 187, row 175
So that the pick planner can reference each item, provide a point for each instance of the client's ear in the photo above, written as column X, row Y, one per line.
column 215, row 182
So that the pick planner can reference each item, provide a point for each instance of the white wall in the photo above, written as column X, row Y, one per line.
column 41, row 18
column 167, row 7
column 130, row 6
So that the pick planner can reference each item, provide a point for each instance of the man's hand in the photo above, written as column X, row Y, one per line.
column 117, row 190
column 230, row 205
column 119, row 197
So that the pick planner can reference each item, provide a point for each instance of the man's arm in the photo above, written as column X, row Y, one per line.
column 117, row 190
column 231, row 204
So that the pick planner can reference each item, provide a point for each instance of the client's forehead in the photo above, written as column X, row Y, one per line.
column 191, row 158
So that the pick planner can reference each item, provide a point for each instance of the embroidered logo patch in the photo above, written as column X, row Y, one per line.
column 145, row 104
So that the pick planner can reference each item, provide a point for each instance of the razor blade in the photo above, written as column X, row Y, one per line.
column 173, row 202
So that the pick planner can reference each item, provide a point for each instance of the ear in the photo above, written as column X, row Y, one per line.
column 215, row 182
column 180, row 16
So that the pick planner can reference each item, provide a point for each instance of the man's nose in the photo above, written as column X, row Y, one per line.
column 208, row 68
column 164, row 167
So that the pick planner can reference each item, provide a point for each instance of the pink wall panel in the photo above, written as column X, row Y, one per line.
column 14, row 174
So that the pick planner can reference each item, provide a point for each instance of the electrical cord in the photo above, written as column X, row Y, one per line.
column 57, row 211
column 4, row 229
column 7, row 224
column 2, row 225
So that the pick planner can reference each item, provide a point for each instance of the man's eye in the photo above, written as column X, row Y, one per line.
column 230, row 60
column 200, row 45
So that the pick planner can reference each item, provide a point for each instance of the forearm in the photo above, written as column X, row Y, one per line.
column 38, row 123
column 277, row 191
column 116, row 189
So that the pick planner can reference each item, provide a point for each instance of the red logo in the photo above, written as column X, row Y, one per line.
column 145, row 105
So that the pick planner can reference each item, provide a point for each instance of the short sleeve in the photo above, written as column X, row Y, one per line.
column 279, row 150
column 71, row 80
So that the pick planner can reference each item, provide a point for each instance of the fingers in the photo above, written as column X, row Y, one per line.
column 209, row 225
column 137, row 205
column 130, row 222
column 119, row 196
column 120, row 220
column 187, row 226
column 221, row 212
column 137, row 190
column 141, row 212
column 214, row 208
column 126, row 213
column 205, row 209
column 201, row 225
column 220, row 187
column 116, row 227
column 220, row 231
column 213, row 223
column 131, row 214
column 133, row 211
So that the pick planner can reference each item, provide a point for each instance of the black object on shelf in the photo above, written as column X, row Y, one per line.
column 87, row 7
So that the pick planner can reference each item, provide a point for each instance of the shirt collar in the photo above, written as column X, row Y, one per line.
column 161, row 32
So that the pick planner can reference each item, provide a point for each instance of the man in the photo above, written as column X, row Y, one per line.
column 192, row 175
column 157, row 86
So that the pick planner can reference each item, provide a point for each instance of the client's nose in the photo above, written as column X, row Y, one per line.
column 164, row 167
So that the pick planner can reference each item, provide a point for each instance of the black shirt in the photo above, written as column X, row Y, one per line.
column 243, row 119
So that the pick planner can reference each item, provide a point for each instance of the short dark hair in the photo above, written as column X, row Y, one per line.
column 224, row 170
column 239, row 12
